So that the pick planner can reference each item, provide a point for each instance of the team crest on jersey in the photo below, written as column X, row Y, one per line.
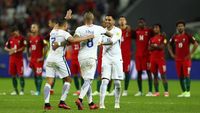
column 126, row 34
column 183, row 39
column 146, row 33
column 18, row 42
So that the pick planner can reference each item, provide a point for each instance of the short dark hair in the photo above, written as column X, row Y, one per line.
column 61, row 21
column 14, row 28
column 159, row 25
column 180, row 22
column 141, row 19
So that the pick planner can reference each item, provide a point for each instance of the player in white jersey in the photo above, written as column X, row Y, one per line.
column 111, row 63
column 56, row 63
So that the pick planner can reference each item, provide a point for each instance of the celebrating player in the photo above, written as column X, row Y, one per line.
column 36, row 45
column 126, row 51
column 15, row 47
column 142, row 36
column 182, row 56
column 111, row 63
column 56, row 63
column 157, row 60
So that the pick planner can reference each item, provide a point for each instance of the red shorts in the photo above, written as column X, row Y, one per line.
column 126, row 64
column 75, row 67
column 37, row 67
column 142, row 63
column 183, row 68
column 16, row 67
column 158, row 65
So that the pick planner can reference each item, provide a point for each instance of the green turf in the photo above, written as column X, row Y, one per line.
column 129, row 104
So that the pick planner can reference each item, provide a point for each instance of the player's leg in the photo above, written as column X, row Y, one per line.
column 138, row 64
column 186, row 72
column 13, row 72
column 47, row 88
column 150, row 81
column 126, row 65
column 38, row 78
column 75, row 71
column 156, row 84
column 162, row 70
column 52, row 86
column 20, row 69
column 179, row 70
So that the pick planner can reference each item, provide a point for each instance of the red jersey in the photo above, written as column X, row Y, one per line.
column 75, row 50
column 142, row 40
column 36, row 46
column 126, row 42
column 16, row 42
column 158, row 40
column 182, row 45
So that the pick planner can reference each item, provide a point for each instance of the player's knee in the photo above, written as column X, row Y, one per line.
column 87, row 81
column 117, row 83
column 67, row 79
column 105, row 82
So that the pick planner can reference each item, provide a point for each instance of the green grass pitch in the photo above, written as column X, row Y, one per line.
column 129, row 104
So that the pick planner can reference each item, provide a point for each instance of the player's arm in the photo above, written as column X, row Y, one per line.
column 108, row 34
column 8, row 49
column 195, row 45
column 169, row 46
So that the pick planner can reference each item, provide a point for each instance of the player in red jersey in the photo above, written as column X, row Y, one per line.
column 75, row 67
column 36, row 54
column 157, row 59
column 15, row 47
column 142, row 36
column 182, row 56
column 126, row 51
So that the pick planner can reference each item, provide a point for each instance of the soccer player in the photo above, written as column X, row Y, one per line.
column 182, row 56
column 111, row 63
column 157, row 59
column 36, row 50
column 142, row 36
column 126, row 51
column 56, row 63
column 15, row 47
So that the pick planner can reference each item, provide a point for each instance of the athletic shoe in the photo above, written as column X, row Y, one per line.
column 166, row 94
column 156, row 94
column 125, row 93
column 182, row 94
column 51, row 92
column 64, row 106
column 95, row 93
column 149, row 94
column 112, row 93
column 138, row 94
column 21, row 93
column 187, row 94
column 117, row 106
column 13, row 93
column 79, row 104
column 76, row 93
column 93, row 107
column 36, row 93
column 102, row 107
column 47, row 106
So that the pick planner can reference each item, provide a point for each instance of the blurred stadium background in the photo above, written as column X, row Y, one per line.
column 24, row 12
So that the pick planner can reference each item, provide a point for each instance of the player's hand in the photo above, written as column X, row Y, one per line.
column 188, row 57
column 68, row 14
column 55, row 45
column 90, row 36
column 173, row 56
column 12, row 51
column 29, row 58
column 40, row 59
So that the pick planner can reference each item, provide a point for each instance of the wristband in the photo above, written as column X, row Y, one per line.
column 59, row 43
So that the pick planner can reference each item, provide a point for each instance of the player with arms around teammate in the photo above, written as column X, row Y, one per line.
column 126, row 51
column 15, row 47
column 182, row 56
column 157, row 59
column 111, row 63
column 56, row 63
column 36, row 50
column 142, row 36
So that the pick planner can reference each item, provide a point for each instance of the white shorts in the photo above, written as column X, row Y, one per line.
column 88, row 68
column 112, row 69
column 57, row 67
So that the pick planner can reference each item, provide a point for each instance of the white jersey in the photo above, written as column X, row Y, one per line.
column 113, row 51
column 88, row 48
column 57, row 35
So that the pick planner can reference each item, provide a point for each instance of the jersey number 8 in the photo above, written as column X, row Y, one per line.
column 90, row 43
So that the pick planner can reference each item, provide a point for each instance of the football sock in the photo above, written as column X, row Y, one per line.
column 98, row 84
column 47, row 89
column 127, row 79
column 187, row 82
column 65, row 90
column 14, row 81
column 165, row 83
column 89, row 95
column 22, row 83
column 139, row 80
column 52, row 85
column 109, row 85
column 117, row 90
column 156, row 83
column 182, row 83
column 39, row 83
column 149, row 80
column 84, row 89
column 76, row 82
column 103, row 89
column 82, row 81
column 35, row 81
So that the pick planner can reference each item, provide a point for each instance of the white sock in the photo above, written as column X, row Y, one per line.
column 84, row 89
column 89, row 95
column 117, row 90
column 65, row 91
column 103, row 89
column 47, row 89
